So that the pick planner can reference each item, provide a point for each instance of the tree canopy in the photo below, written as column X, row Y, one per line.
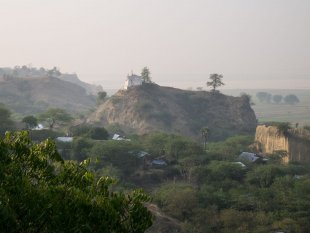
column 6, row 122
column 101, row 96
column 291, row 99
column 145, row 74
column 30, row 121
column 264, row 96
column 42, row 193
column 216, row 81
column 56, row 116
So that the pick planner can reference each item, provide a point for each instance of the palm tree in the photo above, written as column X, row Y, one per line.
column 205, row 133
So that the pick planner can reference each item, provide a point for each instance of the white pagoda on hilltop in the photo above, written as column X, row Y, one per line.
column 133, row 80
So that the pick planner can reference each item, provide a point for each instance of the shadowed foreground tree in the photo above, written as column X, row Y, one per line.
column 39, row 192
column 6, row 122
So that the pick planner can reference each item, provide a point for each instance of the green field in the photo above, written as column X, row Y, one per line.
column 280, row 112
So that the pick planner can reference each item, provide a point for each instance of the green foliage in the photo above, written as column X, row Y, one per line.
column 173, row 146
column 80, row 148
column 205, row 133
column 226, row 197
column 221, row 170
column 229, row 149
column 98, row 133
column 117, row 154
column 30, row 121
column 80, row 130
column 56, row 116
column 264, row 176
column 143, row 106
column 180, row 206
column 41, row 135
column 42, row 193
column 6, row 122
column 283, row 127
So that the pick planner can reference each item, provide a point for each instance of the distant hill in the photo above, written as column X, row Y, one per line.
column 150, row 107
column 73, row 78
column 36, row 94
column 32, row 72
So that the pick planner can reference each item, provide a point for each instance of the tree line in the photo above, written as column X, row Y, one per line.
column 265, row 97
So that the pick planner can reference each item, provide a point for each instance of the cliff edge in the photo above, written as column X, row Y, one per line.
column 296, row 142
column 149, row 107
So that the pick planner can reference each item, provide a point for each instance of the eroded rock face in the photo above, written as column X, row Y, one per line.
column 150, row 107
column 296, row 142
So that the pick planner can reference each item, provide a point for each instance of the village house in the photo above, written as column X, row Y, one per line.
column 251, row 157
column 133, row 80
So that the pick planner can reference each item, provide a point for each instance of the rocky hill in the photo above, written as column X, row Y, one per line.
column 295, row 142
column 33, row 95
column 73, row 78
column 150, row 107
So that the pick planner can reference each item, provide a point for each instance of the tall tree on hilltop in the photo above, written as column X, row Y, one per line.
column 145, row 74
column 216, row 81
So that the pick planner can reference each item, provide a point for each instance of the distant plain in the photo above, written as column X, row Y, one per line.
column 299, row 113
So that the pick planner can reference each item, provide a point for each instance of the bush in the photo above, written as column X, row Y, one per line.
column 41, row 135
column 42, row 193
column 98, row 133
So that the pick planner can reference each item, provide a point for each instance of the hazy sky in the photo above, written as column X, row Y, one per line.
column 253, row 43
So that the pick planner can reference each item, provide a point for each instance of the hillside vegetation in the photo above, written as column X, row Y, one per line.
column 34, row 95
column 151, row 107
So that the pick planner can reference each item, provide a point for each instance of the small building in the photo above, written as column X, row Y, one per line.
column 64, row 139
column 133, row 80
column 241, row 164
column 159, row 163
column 142, row 154
column 39, row 127
column 251, row 157
column 118, row 137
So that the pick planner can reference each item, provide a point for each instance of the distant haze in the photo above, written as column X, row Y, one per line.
column 253, row 43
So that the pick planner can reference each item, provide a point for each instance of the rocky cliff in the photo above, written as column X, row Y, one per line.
column 296, row 142
column 150, row 107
